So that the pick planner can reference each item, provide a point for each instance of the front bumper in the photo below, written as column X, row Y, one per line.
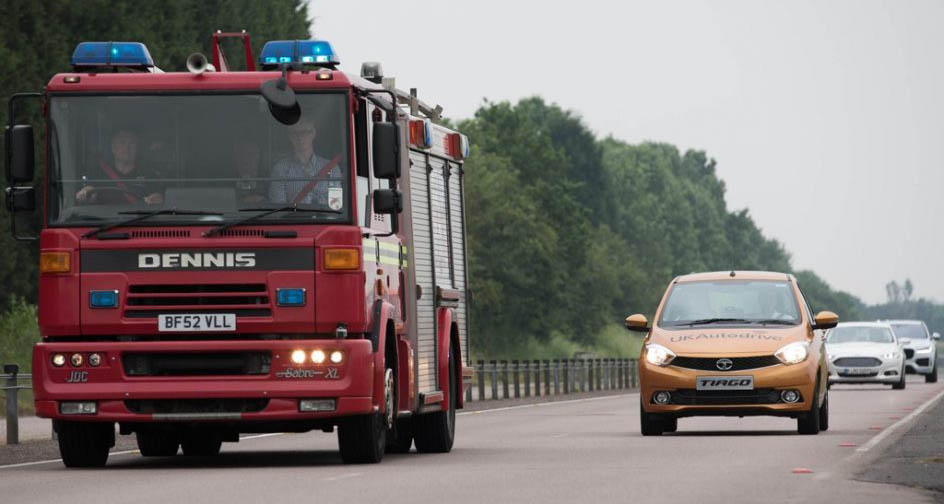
column 888, row 372
column 768, row 381
column 278, row 390
column 921, row 362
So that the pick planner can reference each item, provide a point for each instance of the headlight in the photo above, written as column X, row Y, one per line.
column 830, row 357
column 890, row 355
column 924, row 350
column 317, row 356
column 298, row 356
column 658, row 355
column 793, row 353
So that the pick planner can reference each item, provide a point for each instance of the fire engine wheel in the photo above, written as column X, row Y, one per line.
column 157, row 443
column 435, row 432
column 399, row 430
column 85, row 444
column 363, row 439
column 201, row 446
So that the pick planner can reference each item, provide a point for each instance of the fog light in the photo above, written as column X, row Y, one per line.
column 336, row 357
column 78, row 408
column 317, row 356
column 316, row 405
column 103, row 299
column 95, row 359
column 58, row 360
column 298, row 356
column 77, row 359
column 790, row 396
column 290, row 297
column 662, row 397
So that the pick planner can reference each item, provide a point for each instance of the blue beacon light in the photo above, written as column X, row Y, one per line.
column 111, row 54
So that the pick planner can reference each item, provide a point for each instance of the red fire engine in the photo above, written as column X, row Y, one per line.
column 279, row 249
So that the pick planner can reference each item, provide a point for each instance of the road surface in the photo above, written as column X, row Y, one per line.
column 586, row 450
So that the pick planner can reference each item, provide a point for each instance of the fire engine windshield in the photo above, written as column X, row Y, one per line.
column 222, row 153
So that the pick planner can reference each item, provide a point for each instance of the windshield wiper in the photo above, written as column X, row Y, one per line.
column 265, row 212
column 774, row 322
column 715, row 321
column 143, row 215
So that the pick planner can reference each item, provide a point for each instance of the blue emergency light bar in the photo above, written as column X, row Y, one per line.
column 109, row 54
column 306, row 52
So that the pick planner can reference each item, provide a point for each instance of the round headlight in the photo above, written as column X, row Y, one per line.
column 317, row 356
column 77, row 359
column 793, row 353
column 336, row 356
column 58, row 360
column 95, row 359
column 658, row 355
column 298, row 356
column 890, row 355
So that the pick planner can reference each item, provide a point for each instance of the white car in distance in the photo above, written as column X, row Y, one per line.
column 865, row 352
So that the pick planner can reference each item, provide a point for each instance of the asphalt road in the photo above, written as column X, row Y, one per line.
column 586, row 450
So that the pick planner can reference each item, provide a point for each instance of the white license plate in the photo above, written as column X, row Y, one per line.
column 197, row 322
column 856, row 371
column 724, row 383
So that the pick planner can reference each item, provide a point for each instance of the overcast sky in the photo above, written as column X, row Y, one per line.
column 826, row 118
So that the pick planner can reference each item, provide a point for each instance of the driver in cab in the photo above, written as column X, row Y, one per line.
column 305, row 177
column 126, row 184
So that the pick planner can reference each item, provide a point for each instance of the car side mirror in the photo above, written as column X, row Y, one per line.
column 825, row 320
column 637, row 322
column 388, row 201
column 386, row 153
column 936, row 336
column 21, row 199
column 19, row 139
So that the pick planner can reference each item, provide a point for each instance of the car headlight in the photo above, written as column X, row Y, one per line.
column 924, row 350
column 658, row 355
column 830, row 357
column 793, row 353
column 890, row 355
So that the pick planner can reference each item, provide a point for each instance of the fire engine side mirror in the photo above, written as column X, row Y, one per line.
column 19, row 141
column 21, row 199
column 388, row 201
column 386, row 152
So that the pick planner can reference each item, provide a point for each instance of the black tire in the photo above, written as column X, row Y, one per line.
column 363, row 439
column 669, row 424
column 157, row 443
column 201, row 446
column 83, row 444
column 901, row 381
column 808, row 423
column 401, row 439
column 824, row 414
column 932, row 376
column 650, row 423
column 436, row 432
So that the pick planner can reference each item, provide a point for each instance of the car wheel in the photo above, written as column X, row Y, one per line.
column 650, row 424
column 824, row 414
column 808, row 422
column 157, row 443
column 201, row 446
column 669, row 424
column 85, row 444
column 932, row 376
column 901, row 381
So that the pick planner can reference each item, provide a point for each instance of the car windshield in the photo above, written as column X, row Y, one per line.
column 910, row 331
column 730, row 302
column 860, row 334
column 216, row 153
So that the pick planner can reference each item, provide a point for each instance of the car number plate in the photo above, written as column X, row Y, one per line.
column 856, row 371
column 724, row 383
column 196, row 322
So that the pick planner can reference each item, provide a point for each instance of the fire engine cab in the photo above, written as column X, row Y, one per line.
column 279, row 249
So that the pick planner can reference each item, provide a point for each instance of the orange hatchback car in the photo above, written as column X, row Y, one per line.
column 736, row 343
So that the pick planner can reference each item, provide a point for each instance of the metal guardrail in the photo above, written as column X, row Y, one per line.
column 11, row 388
column 514, row 379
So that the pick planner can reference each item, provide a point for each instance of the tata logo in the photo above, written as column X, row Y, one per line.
column 724, row 364
column 197, row 260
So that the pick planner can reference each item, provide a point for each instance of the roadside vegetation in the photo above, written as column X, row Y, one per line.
column 18, row 333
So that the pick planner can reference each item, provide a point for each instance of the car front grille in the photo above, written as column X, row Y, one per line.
column 858, row 375
column 909, row 353
column 857, row 362
column 150, row 300
column 692, row 397
column 738, row 363
column 197, row 364
column 924, row 361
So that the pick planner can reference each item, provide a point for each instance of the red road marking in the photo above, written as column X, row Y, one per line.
column 875, row 427
column 847, row 444
column 801, row 470
column 894, row 418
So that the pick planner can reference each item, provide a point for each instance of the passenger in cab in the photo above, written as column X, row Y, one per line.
column 304, row 177
column 127, row 184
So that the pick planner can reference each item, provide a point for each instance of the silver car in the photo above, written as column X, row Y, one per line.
column 865, row 352
column 920, row 348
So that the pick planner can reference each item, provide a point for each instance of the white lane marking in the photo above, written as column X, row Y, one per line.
column 558, row 436
column 878, row 438
column 125, row 452
column 343, row 476
column 257, row 436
